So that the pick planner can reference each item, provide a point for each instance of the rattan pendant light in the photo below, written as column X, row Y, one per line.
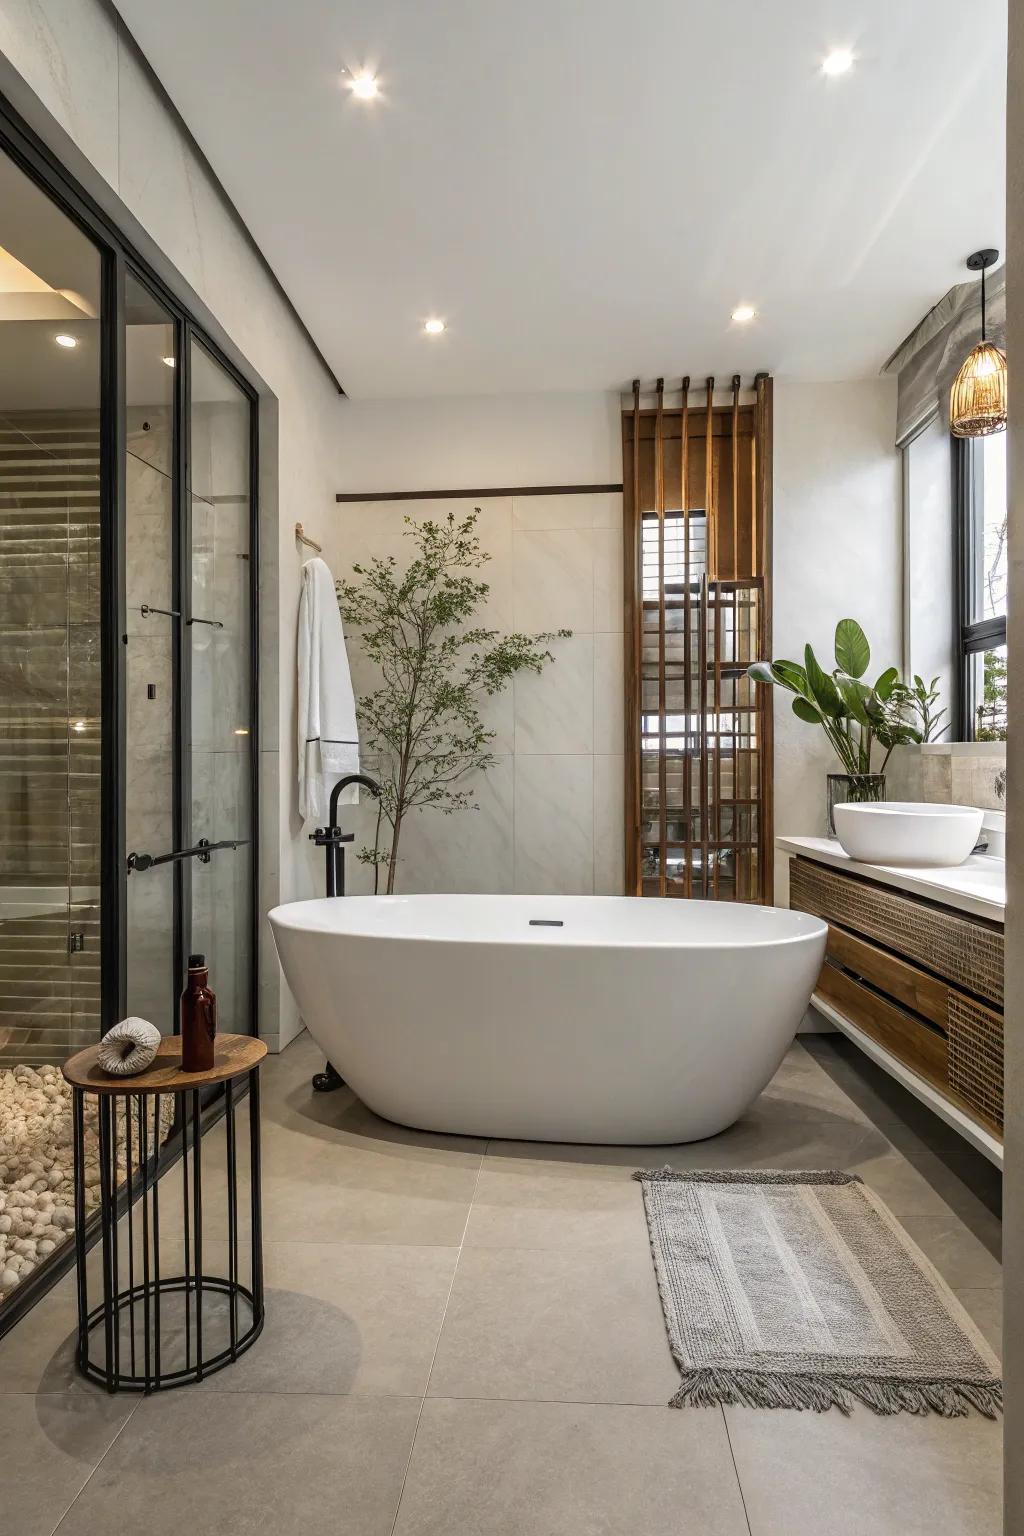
column 977, row 401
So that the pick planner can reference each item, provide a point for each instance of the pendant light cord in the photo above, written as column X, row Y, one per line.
column 983, row 303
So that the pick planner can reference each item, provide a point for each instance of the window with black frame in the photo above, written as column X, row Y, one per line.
column 981, row 585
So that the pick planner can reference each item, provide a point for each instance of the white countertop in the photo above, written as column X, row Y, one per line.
column 977, row 886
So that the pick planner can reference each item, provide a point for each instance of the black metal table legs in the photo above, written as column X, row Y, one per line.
column 162, row 1330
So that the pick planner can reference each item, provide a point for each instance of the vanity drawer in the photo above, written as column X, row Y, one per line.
column 963, row 950
column 920, row 1046
column 899, row 980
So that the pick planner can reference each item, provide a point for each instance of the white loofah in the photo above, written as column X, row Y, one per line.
column 128, row 1048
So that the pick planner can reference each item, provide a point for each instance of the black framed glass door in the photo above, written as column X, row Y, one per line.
column 189, row 670
column 220, row 678
column 129, row 677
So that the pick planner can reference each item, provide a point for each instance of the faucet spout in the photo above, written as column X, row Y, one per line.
column 361, row 779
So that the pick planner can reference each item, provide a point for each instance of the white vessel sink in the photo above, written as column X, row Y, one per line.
column 907, row 833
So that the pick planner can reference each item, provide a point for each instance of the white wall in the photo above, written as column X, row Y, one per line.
column 550, row 807
column 76, row 77
column 837, row 554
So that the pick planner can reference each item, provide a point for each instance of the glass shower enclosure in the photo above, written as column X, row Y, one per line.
column 128, row 686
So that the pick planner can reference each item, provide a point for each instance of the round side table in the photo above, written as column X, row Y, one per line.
column 152, row 1329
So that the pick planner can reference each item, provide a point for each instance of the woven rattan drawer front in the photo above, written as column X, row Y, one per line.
column 961, row 949
column 975, row 1062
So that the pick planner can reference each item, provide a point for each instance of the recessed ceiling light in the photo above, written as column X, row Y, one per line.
column 168, row 362
column 838, row 62
column 66, row 341
column 364, row 85
column 743, row 313
column 241, row 730
column 433, row 327
column 79, row 726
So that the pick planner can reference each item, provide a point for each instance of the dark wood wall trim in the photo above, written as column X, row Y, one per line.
column 493, row 490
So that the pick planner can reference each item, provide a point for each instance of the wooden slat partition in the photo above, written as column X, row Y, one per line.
column 697, row 542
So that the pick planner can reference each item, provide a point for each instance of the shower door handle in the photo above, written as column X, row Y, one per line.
column 202, row 851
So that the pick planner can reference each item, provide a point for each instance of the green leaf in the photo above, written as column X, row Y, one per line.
column 884, row 685
column 786, row 674
column 805, row 710
column 853, row 654
column 792, row 676
column 823, row 689
column 853, row 695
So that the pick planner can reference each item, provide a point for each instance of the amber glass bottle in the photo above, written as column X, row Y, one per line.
column 198, row 1018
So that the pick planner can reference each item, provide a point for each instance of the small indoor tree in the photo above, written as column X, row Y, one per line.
column 423, row 722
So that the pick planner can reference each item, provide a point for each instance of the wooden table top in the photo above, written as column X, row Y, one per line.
column 233, row 1055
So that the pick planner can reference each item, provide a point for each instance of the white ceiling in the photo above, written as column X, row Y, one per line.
column 585, row 189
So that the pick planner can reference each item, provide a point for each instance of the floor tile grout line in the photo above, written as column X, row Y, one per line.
column 128, row 1419
column 437, row 1341
column 735, row 1467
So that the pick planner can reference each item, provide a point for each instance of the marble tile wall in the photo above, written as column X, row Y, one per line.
column 549, row 816
column 949, row 773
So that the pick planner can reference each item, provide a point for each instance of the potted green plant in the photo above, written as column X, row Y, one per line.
column 861, row 720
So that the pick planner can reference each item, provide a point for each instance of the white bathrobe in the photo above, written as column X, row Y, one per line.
column 328, row 735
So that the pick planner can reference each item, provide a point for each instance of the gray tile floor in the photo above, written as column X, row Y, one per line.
column 466, row 1337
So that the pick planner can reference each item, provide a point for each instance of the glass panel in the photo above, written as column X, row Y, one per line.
column 50, row 288
column 992, row 549
column 990, row 692
column 152, row 633
column 220, row 509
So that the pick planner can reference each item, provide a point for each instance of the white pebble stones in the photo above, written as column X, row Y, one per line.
column 37, row 1173
column 37, row 1192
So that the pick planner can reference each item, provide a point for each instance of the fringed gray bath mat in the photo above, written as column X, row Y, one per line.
column 801, row 1290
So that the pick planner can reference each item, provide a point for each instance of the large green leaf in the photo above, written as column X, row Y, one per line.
column 884, row 686
column 853, row 654
column 823, row 689
column 806, row 711
column 784, row 673
column 853, row 694
column 792, row 676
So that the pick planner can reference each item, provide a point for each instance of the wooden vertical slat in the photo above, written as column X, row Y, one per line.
column 763, row 504
column 717, row 663
column 702, row 717
column 659, row 508
column 755, row 563
column 684, row 462
column 710, row 516
column 711, row 561
column 633, row 654
column 735, row 444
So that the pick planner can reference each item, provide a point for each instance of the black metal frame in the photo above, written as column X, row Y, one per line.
column 142, row 1186
column 119, row 257
column 970, row 636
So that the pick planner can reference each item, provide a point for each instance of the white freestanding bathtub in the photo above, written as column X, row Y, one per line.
column 551, row 1018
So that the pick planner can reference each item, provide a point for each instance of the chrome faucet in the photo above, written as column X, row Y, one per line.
column 333, row 839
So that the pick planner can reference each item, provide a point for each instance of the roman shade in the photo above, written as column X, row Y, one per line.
column 927, row 362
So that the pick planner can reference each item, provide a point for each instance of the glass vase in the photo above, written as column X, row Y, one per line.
column 852, row 789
